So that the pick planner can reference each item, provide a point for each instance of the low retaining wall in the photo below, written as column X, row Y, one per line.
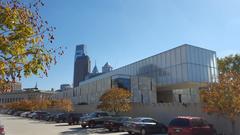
column 164, row 112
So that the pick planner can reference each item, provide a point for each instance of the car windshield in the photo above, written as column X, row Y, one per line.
column 198, row 122
column 179, row 122
column 125, row 119
column 92, row 115
column 137, row 119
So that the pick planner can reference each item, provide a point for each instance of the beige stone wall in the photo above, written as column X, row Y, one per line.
column 167, row 111
column 143, row 90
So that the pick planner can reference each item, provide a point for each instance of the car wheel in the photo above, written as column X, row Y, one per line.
column 83, row 126
column 110, row 130
column 143, row 131
column 91, row 124
column 130, row 133
column 164, row 130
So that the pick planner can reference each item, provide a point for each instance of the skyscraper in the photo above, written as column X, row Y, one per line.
column 82, row 65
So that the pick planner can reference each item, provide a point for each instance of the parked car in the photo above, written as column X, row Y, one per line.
column 11, row 112
column 145, row 126
column 74, row 118
column 24, row 114
column 187, row 125
column 31, row 115
column 93, row 119
column 18, row 113
column 2, row 131
column 61, row 117
column 40, row 115
column 4, row 111
column 51, row 116
column 116, row 123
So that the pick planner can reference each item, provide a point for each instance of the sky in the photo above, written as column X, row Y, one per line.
column 124, row 31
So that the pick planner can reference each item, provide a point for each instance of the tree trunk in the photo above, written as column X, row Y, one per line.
column 233, row 127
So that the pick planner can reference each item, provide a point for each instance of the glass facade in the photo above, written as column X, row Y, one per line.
column 177, row 75
column 185, row 63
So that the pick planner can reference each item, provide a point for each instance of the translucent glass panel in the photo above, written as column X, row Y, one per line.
column 178, row 56
column 184, row 63
column 168, row 59
column 184, row 54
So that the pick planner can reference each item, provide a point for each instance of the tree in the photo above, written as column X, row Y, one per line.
column 34, row 105
column 65, row 105
column 229, row 63
column 223, row 98
column 25, row 41
column 115, row 100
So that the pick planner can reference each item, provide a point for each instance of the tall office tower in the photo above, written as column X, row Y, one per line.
column 82, row 65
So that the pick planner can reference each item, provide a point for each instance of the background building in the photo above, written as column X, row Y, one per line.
column 106, row 68
column 175, row 75
column 29, row 94
column 65, row 86
column 82, row 65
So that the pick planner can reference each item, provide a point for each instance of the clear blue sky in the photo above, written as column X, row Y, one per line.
column 124, row 31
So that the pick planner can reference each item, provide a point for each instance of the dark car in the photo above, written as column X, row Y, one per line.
column 188, row 125
column 50, row 116
column 94, row 119
column 116, row 123
column 61, row 117
column 18, row 113
column 145, row 126
column 74, row 118
column 39, row 115
column 44, row 116
column 11, row 112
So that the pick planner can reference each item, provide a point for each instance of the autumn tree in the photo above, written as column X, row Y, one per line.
column 115, row 100
column 223, row 98
column 65, row 105
column 229, row 63
column 25, row 41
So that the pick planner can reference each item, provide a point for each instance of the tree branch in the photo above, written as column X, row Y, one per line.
column 5, row 58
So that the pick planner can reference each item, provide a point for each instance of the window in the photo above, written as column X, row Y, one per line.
column 179, row 122
column 198, row 123
column 121, row 82
column 179, row 98
column 149, row 120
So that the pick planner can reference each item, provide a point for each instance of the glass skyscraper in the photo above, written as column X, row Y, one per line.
column 82, row 65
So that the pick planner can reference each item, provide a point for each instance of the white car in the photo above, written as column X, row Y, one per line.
column 25, row 114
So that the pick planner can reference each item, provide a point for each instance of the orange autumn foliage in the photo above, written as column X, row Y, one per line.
column 33, row 105
column 223, row 97
column 116, row 100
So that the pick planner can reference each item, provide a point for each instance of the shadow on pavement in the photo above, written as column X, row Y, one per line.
column 40, row 122
column 88, row 131
column 75, row 131
column 15, row 118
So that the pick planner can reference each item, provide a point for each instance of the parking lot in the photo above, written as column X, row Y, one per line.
column 23, row 126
